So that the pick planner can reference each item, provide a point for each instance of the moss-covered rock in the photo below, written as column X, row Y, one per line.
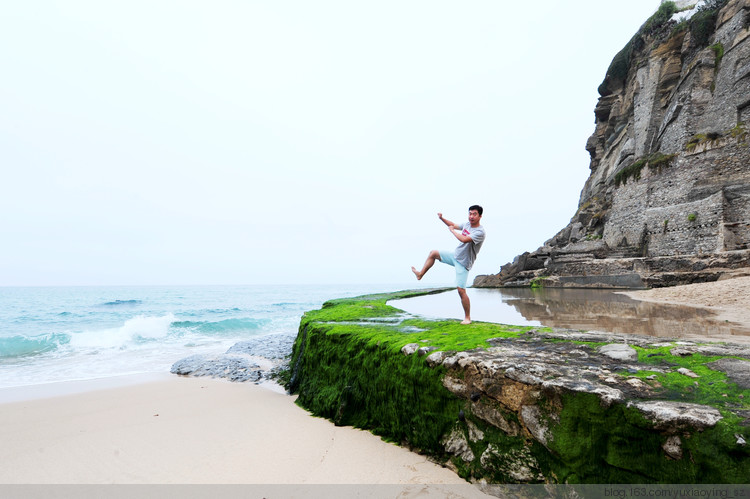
column 513, row 404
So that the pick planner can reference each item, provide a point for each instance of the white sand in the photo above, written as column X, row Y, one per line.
column 195, row 430
column 729, row 298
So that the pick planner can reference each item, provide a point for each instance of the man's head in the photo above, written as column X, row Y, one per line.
column 475, row 214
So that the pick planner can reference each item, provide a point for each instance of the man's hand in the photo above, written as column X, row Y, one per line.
column 446, row 221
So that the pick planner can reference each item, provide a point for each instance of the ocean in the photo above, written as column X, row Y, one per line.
column 53, row 334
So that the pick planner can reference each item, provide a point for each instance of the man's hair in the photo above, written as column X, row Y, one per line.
column 476, row 207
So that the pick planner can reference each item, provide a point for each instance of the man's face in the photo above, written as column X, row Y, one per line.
column 474, row 217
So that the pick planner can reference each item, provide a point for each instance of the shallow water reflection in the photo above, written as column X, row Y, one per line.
column 600, row 310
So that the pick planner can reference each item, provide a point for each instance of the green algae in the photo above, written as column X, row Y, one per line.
column 355, row 380
column 350, row 315
column 597, row 444
column 351, row 371
column 347, row 366
column 592, row 443
column 710, row 387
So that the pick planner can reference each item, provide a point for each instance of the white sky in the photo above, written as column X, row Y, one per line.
column 253, row 142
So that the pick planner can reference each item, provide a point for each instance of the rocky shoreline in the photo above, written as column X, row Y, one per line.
column 506, row 404
column 257, row 360
column 529, row 405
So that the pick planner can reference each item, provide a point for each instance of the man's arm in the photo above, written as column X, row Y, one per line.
column 447, row 222
column 455, row 229
column 459, row 235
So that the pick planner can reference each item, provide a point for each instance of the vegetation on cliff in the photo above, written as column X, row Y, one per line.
column 701, row 26
column 351, row 363
column 620, row 66
column 738, row 132
column 655, row 161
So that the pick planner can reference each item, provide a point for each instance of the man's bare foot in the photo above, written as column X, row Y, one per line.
column 416, row 273
column 466, row 321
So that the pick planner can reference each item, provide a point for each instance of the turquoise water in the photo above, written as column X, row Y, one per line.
column 50, row 334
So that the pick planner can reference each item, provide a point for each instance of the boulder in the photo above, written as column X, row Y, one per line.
column 619, row 351
column 671, row 416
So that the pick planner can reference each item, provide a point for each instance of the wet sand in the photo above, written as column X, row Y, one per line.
column 729, row 299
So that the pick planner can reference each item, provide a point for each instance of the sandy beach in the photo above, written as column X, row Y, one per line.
column 729, row 299
column 178, row 430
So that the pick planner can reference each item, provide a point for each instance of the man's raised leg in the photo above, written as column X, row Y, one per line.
column 466, row 304
column 434, row 255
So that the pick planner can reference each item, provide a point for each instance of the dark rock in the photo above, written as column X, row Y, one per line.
column 256, row 359
column 270, row 346
column 223, row 366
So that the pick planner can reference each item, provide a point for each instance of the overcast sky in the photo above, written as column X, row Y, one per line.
column 258, row 142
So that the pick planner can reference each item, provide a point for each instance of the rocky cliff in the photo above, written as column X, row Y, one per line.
column 668, row 198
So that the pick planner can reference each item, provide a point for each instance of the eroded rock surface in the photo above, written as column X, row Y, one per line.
column 522, row 386
column 668, row 198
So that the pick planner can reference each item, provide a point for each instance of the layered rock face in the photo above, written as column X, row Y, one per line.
column 668, row 198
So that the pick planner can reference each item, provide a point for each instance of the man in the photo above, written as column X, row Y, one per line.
column 471, row 235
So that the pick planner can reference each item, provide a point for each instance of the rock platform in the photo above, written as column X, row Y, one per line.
column 506, row 404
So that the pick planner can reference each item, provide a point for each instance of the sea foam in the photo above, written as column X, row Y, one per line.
column 134, row 331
